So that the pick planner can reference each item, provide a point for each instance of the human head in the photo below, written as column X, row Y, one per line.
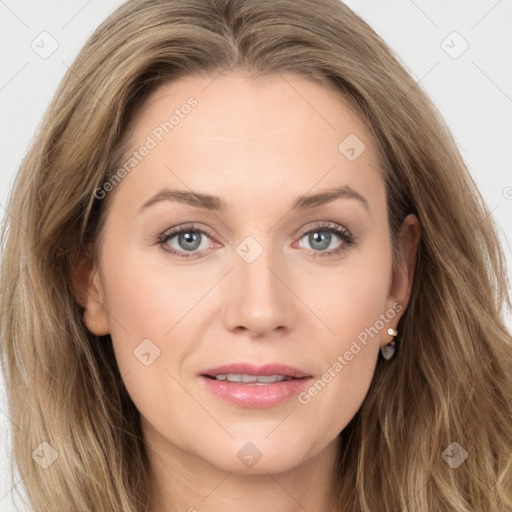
column 84, row 140
column 257, row 295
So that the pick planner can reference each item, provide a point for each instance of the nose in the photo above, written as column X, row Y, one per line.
column 259, row 296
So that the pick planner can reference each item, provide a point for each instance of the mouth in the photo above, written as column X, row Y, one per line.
column 249, row 385
column 249, row 373
column 252, row 380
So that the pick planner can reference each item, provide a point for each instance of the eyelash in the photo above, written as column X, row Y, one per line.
column 343, row 233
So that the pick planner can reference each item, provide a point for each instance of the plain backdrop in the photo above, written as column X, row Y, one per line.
column 460, row 52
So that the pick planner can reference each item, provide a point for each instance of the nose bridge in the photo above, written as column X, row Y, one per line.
column 258, row 298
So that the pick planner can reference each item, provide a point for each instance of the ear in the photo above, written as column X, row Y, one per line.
column 403, row 273
column 88, row 290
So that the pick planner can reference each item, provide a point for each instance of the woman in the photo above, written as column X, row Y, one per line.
column 183, row 341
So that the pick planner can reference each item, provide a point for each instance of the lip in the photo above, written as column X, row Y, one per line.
column 256, row 396
column 254, row 369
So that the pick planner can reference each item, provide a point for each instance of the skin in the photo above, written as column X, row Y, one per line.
column 258, row 145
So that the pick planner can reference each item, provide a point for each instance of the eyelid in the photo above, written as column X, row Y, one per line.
column 192, row 226
column 321, row 224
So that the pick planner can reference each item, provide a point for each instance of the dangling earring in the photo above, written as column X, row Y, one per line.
column 388, row 350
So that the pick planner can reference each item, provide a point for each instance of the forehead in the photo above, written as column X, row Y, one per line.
column 243, row 138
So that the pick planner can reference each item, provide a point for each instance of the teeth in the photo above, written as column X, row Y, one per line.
column 232, row 377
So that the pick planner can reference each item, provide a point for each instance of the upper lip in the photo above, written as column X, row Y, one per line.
column 254, row 369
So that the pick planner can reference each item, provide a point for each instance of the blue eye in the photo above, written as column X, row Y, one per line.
column 189, row 237
column 189, row 240
column 319, row 243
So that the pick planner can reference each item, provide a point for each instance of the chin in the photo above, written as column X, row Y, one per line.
column 259, row 457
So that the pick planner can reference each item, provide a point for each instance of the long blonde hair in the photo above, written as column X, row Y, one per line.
column 451, row 380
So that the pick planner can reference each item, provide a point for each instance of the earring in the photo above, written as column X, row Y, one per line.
column 388, row 350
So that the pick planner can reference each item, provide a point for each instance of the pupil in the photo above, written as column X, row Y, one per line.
column 324, row 237
column 187, row 238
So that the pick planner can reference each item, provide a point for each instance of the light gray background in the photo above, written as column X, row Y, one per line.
column 472, row 91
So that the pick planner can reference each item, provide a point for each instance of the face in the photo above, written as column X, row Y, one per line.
column 256, row 274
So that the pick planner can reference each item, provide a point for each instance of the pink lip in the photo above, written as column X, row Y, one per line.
column 253, row 395
column 253, row 369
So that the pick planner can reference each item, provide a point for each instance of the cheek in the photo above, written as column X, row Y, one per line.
column 144, row 303
column 354, row 296
column 362, row 300
column 147, row 294
column 148, row 323
column 353, row 309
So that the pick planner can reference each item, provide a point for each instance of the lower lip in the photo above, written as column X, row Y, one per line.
column 266, row 395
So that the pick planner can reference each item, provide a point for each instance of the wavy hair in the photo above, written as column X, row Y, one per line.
column 451, row 380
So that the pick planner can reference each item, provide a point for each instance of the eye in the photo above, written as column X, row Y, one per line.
column 188, row 239
column 320, row 238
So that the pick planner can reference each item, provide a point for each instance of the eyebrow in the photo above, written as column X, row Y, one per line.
column 215, row 203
